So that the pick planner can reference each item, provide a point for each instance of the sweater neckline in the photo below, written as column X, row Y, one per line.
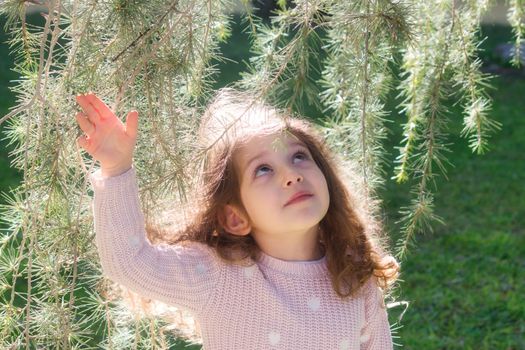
column 300, row 268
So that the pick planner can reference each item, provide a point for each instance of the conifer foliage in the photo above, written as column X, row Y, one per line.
column 155, row 57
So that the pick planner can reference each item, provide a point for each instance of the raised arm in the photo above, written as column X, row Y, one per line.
column 183, row 276
column 105, row 137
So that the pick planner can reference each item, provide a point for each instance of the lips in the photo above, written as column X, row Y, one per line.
column 298, row 196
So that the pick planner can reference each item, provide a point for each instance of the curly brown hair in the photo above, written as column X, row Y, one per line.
column 351, row 236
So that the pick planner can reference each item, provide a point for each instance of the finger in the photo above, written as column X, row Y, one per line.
column 103, row 110
column 132, row 124
column 85, row 124
column 83, row 142
column 91, row 112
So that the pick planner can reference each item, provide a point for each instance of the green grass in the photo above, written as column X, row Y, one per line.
column 462, row 281
column 464, row 292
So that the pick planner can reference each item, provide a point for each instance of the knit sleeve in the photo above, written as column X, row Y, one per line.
column 375, row 334
column 175, row 274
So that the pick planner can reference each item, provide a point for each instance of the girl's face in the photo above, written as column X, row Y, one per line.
column 273, row 169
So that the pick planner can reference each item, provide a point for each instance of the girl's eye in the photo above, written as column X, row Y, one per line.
column 301, row 155
column 261, row 168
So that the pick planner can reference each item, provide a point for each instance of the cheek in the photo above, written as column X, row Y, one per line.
column 323, row 186
column 248, row 198
column 256, row 201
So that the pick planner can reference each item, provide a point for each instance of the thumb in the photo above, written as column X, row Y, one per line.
column 132, row 124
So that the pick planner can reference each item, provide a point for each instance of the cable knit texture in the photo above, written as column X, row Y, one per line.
column 272, row 304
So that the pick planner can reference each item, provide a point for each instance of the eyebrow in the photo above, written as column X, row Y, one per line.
column 262, row 154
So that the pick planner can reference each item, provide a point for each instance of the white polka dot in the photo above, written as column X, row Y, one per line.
column 134, row 241
column 200, row 268
column 344, row 344
column 314, row 303
column 274, row 338
column 364, row 337
column 249, row 271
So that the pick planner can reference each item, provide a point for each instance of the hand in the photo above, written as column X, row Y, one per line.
column 106, row 139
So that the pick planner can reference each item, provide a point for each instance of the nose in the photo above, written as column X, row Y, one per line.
column 292, row 177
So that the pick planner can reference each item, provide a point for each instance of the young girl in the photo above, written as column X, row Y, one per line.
column 279, row 254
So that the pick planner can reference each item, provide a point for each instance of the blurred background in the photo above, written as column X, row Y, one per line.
column 465, row 282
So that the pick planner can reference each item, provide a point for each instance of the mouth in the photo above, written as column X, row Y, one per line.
column 298, row 197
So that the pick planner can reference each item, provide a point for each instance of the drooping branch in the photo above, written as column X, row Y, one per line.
column 154, row 56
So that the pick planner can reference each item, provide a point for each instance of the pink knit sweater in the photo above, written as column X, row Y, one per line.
column 273, row 304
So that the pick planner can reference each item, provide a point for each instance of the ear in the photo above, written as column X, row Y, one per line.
column 234, row 221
